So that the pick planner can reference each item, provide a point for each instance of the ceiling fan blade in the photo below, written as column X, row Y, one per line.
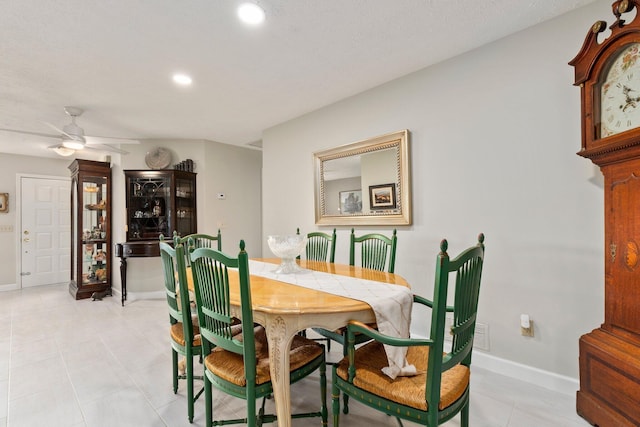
column 47, row 135
column 105, row 147
column 74, row 137
column 93, row 140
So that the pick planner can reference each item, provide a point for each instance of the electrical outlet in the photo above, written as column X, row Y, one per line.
column 8, row 228
column 527, row 332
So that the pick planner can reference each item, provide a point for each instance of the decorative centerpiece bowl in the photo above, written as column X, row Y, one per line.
column 287, row 248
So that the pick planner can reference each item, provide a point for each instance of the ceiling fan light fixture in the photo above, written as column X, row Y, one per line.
column 63, row 151
column 72, row 144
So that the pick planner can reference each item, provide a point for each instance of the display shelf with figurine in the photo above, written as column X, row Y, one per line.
column 91, row 228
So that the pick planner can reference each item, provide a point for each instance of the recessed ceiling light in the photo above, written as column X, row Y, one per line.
column 251, row 13
column 182, row 79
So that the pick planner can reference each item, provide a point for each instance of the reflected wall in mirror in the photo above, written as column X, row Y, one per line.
column 364, row 183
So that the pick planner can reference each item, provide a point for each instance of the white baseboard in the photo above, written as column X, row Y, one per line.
column 539, row 377
column 519, row 371
column 132, row 296
column 9, row 287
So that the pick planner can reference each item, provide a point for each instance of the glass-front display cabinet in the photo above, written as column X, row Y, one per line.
column 160, row 202
column 90, row 228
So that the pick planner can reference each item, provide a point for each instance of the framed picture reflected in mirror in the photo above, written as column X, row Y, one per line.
column 351, row 202
column 382, row 196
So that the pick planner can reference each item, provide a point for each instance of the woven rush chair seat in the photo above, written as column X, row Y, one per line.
column 177, row 334
column 408, row 391
column 230, row 366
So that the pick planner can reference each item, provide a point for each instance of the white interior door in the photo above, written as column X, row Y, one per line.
column 45, row 231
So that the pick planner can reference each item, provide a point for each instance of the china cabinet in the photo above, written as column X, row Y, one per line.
column 159, row 202
column 90, row 228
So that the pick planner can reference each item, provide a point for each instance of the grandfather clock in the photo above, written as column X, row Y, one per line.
column 608, row 73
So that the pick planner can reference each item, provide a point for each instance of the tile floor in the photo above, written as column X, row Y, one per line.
column 94, row 363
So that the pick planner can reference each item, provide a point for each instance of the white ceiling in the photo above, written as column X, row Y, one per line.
column 115, row 59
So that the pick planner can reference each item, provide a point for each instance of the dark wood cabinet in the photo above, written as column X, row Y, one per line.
column 90, row 228
column 159, row 202
column 608, row 74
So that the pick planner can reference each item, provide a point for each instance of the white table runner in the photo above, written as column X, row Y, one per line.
column 391, row 304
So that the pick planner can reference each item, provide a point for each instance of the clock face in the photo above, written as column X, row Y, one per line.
column 620, row 93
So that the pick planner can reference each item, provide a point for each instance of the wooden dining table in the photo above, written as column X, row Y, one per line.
column 285, row 309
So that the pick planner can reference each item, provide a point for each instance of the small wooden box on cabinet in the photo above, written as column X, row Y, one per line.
column 608, row 74
column 90, row 228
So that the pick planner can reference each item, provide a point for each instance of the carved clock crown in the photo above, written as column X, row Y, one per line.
column 610, row 125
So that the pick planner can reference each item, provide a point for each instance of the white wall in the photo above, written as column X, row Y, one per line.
column 494, row 134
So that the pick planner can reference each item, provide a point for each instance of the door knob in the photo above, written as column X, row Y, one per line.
column 26, row 240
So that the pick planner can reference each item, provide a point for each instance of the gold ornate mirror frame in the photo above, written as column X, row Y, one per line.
column 364, row 183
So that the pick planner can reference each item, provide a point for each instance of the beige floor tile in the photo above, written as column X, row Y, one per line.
column 96, row 363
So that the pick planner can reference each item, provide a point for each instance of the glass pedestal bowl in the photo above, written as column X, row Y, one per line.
column 287, row 248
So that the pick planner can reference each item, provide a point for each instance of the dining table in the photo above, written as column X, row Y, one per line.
column 284, row 309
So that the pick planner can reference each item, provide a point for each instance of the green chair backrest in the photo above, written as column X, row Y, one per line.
column 202, row 240
column 375, row 249
column 199, row 240
column 173, row 266
column 467, row 270
column 210, row 269
column 320, row 245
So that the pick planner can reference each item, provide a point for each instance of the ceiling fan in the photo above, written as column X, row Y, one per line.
column 72, row 137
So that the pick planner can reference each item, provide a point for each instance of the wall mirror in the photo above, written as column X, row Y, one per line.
column 364, row 183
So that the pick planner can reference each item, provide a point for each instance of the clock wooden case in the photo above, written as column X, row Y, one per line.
column 608, row 74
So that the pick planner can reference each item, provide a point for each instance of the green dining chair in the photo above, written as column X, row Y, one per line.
column 440, row 390
column 320, row 246
column 200, row 240
column 376, row 249
column 185, row 336
column 239, row 364
column 377, row 252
